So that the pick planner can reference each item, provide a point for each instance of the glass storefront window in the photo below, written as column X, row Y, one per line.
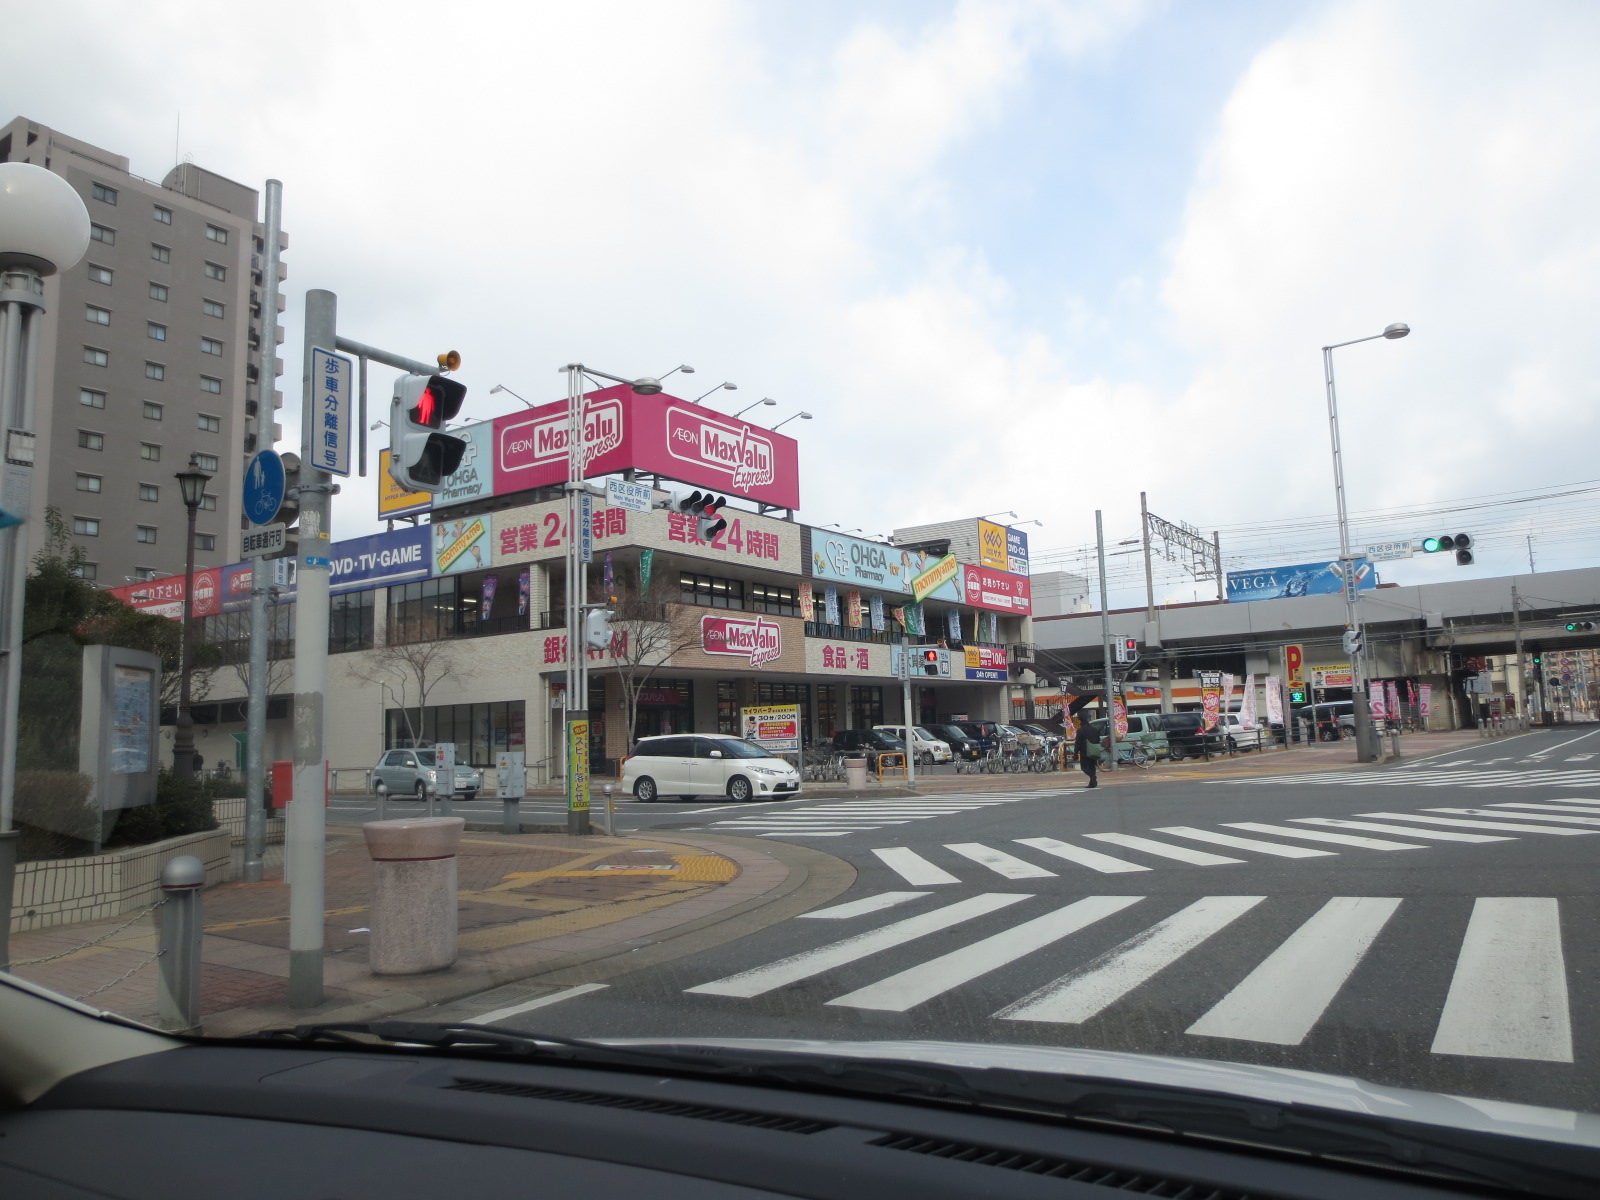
column 827, row 711
column 479, row 731
column 728, row 706
column 866, row 706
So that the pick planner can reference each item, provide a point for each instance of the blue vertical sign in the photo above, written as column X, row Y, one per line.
column 585, row 527
column 333, row 409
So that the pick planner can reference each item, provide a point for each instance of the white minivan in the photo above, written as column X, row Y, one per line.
column 687, row 765
column 929, row 749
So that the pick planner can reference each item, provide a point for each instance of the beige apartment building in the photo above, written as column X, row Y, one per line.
column 154, row 353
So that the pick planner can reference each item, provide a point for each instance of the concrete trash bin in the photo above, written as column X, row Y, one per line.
column 855, row 772
column 413, row 918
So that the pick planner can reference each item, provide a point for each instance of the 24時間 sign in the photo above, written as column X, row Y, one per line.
column 659, row 434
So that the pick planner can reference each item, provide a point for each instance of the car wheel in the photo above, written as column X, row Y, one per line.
column 421, row 794
column 644, row 789
column 925, row 759
column 739, row 788
column 468, row 797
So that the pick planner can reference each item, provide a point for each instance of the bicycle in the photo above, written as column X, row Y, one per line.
column 1132, row 754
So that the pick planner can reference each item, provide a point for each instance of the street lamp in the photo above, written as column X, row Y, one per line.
column 804, row 416
column 757, row 404
column 731, row 387
column 1366, row 746
column 192, row 483
column 500, row 387
column 44, row 228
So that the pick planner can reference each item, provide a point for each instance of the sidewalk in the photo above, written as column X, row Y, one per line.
column 528, row 905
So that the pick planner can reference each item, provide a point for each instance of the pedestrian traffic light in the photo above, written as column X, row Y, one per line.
column 1352, row 641
column 1580, row 626
column 597, row 628
column 1461, row 543
column 421, row 457
column 1126, row 650
column 930, row 661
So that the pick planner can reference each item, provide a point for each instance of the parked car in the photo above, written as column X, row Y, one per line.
column 929, row 749
column 960, row 744
column 985, row 733
column 1186, row 734
column 687, row 765
column 1334, row 720
column 868, row 742
column 1234, row 734
column 1143, row 728
column 414, row 773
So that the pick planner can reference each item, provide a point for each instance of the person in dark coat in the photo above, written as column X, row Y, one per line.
column 1088, row 751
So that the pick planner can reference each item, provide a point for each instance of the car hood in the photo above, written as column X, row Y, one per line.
column 1279, row 1085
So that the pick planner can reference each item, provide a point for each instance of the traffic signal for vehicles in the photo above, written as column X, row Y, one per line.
column 930, row 661
column 1538, row 658
column 597, row 628
column 1351, row 642
column 1580, row 626
column 705, row 508
column 1461, row 543
column 421, row 456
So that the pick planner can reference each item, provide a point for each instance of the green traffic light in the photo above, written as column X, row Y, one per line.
column 1430, row 545
column 1572, row 627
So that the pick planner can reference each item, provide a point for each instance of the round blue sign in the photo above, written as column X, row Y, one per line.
column 263, row 487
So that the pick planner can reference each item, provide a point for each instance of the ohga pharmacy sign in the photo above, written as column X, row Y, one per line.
column 754, row 638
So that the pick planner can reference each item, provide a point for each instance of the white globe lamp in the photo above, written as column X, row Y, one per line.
column 43, row 223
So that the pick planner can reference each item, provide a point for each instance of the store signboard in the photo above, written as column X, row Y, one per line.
column 875, row 565
column 754, row 638
column 774, row 727
column 992, row 546
column 997, row 591
column 474, row 478
column 462, row 545
column 1302, row 579
column 1017, row 552
column 987, row 663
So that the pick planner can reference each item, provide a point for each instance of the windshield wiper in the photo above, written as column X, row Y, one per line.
column 1542, row 1168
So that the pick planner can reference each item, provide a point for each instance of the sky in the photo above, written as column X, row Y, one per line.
column 1013, row 256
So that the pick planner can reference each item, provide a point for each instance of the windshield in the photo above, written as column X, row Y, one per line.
column 1207, row 756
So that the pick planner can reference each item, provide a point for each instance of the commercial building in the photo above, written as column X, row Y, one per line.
column 154, row 354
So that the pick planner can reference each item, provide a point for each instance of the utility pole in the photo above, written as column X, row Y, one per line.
column 905, row 675
column 1522, row 687
column 1105, row 640
column 1149, row 578
column 1216, row 557
column 576, row 724
column 255, row 750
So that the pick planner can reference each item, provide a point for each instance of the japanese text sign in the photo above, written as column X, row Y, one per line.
column 332, row 408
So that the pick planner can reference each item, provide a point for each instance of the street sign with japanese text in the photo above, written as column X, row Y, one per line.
column 264, row 540
column 333, row 410
column 620, row 493
column 1389, row 551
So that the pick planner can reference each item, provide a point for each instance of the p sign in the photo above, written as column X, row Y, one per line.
column 1294, row 662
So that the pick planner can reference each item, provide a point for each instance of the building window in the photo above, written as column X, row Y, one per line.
column 146, row 534
column 145, row 574
column 95, row 358
column 160, row 253
column 207, row 541
column 210, row 346
column 216, row 271
column 152, row 411
column 208, row 423
column 89, row 440
column 213, row 308
column 208, row 503
column 96, row 315
column 87, row 570
column 827, row 711
column 217, row 234
column 206, row 462
column 149, row 491
column 106, row 195
column 150, row 452
column 158, row 291
column 163, row 215
column 99, row 233
column 87, row 526
column 710, row 591
column 771, row 598
column 350, row 621
column 728, row 706
column 88, row 483
column 208, row 384
column 90, row 398
column 158, row 332
column 424, row 611
column 99, row 274
column 153, row 370
column 866, row 706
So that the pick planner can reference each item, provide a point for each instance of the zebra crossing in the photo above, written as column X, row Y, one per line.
column 1507, row 997
column 1444, row 775
column 1244, row 841
column 844, row 817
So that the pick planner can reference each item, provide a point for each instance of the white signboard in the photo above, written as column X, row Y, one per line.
column 635, row 497
column 1389, row 551
column 264, row 540
column 332, row 407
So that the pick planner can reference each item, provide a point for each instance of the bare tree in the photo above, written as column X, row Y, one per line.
column 648, row 631
column 406, row 669
column 232, row 631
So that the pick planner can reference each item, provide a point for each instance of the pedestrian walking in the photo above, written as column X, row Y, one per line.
column 1088, row 751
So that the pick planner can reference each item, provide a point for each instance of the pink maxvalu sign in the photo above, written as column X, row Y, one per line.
column 754, row 638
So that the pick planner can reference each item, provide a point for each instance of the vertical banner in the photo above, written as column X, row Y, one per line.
column 1119, row 716
column 577, row 766
column 1392, row 694
column 1210, row 698
column 608, row 577
column 1425, row 701
column 491, row 584
column 1375, row 697
column 808, row 602
column 1247, row 706
column 524, row 587
column 914, row 620
column 1274, row 701
column 830, row 606
column 647, row 560
column 952, row 619
column 852, row 609
column 1227, row 692
column 878, row 623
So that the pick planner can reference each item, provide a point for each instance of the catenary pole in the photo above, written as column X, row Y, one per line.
column 575, row 726
column 1105, row 640
column 306, row 826
column 1149, row 578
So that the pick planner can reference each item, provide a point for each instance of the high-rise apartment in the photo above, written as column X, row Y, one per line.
column 153, row 354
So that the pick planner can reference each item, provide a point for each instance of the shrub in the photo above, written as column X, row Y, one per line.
column 53, row 815
column 181, row 806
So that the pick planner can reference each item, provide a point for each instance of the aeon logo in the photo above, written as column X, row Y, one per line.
column 544, row 439
column 754, row 638
column 746, row 456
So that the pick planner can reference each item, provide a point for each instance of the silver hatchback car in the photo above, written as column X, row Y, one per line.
column 415, row 773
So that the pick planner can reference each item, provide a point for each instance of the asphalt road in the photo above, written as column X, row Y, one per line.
column 1429, row 925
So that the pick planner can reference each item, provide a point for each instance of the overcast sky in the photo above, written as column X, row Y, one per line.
column 1015, row 256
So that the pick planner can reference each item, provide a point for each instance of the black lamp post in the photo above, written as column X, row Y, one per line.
column 193, row 484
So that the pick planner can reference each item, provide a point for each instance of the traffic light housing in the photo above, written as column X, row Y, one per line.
column 1460, row 543
column 930, row 661
column 597, row 628
column 1126, row 650
column 1580, row 626
column 705, row 508
column 1352, row 641
column 421, row 456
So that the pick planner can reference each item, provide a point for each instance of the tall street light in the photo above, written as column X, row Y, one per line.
column 44, row 228
column 803, row 416
column 1366, row 744
column 757, row 404
column 193, row 485
column 721, row 387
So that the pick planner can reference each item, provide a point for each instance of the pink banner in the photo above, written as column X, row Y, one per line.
column 1392, row 695
column 1119, row 716
column 1247, row 706
column 1210, row 699
column 997, row 591
column 1274, row 701
column 1375, row 697
column 1425, row 700
column 164, row 597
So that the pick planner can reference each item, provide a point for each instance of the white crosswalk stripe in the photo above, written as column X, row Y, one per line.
column 1276, row 849
column 846, row 817
column 1093, row 859
column 1008, row 865
column 1442, row 775
column 1198, row 858
column 1508, row 996
column 913, row 868
column 1431, row 835
column 1339, row 839
column 1563, row 818
column 1498, row 826
column 1552, row 806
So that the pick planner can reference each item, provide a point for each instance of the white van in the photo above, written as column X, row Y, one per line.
column 928, row 749
column 705, row 764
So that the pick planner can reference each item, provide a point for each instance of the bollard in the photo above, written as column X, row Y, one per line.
column 413, row 919
column 511, row 818
column 611, row 814
column 178, row 986
column 855, row 773
column 1394, row 742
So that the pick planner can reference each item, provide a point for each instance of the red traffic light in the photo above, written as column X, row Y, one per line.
column 440, row 401
column 1131, row 645
column 931, row 656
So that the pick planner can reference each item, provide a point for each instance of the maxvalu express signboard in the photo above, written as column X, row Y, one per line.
column 1302, row 579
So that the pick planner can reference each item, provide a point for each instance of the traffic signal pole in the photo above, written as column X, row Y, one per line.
column 576, row 724
column 905, row 676
column 1105, row 642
